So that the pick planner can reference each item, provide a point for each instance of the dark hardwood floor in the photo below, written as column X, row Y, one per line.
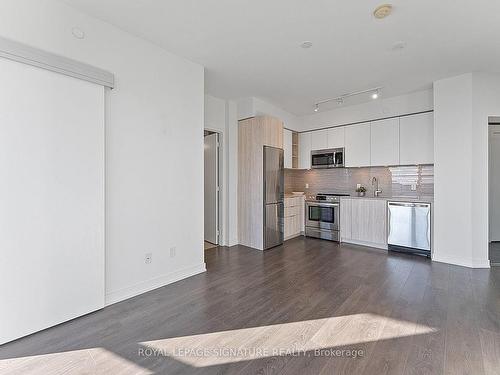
column 308, row 307
column 494, row 253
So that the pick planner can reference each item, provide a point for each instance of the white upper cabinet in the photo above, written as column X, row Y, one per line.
column 417, row 139
column 385, row 142
column 357, row 145
column 336, row 137
column 287, row 147
column 319, row 140
column 305, row 150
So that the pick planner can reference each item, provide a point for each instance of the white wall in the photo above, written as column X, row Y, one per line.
column 215, row 120
column 462, row 106
column 154, row 143
column 220, row 115
column 485, row 103
column 453, row 170
column 494, row 183
column 384, row 107
column 232, row 215
column 250, row 107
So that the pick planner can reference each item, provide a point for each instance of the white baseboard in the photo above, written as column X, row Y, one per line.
column 154, row 283
column 464, row 262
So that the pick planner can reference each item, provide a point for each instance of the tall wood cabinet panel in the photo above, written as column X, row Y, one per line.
column 305, row 150
column 253, row 134
column 417, row 139
column 357, row 145
column 336, row 137
column 385, row 142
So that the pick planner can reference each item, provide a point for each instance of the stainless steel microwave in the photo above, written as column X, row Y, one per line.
column 331, row 158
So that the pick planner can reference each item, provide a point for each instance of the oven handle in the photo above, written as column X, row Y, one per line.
column 311, row 204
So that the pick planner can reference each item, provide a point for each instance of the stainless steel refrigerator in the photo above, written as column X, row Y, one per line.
column 274, row 194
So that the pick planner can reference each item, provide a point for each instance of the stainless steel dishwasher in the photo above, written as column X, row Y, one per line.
column 409, row 228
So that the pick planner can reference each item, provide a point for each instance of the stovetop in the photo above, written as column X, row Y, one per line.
column 327, row 197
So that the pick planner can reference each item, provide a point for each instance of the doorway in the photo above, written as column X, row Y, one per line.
column 494, row 190
column 212, row 189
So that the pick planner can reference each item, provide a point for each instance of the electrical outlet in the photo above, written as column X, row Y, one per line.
column 358, row 186
column 148, row 258
column 172, row 252
column 413, row 187
column 307, row 186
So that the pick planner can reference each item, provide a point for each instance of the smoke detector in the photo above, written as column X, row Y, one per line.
column 382, row 11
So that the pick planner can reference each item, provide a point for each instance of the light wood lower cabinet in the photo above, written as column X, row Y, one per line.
column 294, row 217
column 364, row 221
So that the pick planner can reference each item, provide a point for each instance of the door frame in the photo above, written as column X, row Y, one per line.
column 220, row 190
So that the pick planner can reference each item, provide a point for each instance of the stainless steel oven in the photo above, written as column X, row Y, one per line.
column 323, row 217
column 331, row 158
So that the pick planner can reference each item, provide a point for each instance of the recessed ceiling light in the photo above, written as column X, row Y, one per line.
column 382, row 11
column 78, row 33
column 375, row 95
column 306, row 44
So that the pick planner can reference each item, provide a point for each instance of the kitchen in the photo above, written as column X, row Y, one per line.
column 370, row 183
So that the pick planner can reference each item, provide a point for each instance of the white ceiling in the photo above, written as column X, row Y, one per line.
column 251, row 47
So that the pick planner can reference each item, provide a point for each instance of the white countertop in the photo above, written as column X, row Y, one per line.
column 396, row 199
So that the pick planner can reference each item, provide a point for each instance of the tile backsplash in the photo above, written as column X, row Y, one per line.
column 393, row 181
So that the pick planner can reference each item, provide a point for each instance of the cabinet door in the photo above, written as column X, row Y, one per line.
column 287, row 148
column 378, row 221
column 288, row 226
column 336, row 137
column 305, row 150
column 417, row 139
column 301, row 214
column 357, row 145
column 385, row 142
column 345, row 218
column 369, row 221
column 319, row 140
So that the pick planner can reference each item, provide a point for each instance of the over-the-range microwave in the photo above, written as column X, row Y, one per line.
column 330, row 158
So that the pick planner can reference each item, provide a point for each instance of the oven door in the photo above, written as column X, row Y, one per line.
column 322, row 215
column 322, row 159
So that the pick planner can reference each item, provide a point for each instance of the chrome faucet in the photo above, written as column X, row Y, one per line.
column 377, row 191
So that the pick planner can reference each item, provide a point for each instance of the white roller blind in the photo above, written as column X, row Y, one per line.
column 51, row 198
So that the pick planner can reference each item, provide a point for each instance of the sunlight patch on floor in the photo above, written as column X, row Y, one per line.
column 295, row 338
column 85, row 361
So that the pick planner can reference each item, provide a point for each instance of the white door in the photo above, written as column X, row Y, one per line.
column 212, row 188
column 417, row 139
column 385, row 142
column 319, row 140
column 51, row 199
column 305, row 150
column 336, row 137
column 357, row 145
column 494, row 182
